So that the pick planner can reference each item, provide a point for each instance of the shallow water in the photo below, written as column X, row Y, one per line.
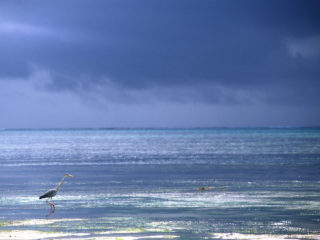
column 264, row 181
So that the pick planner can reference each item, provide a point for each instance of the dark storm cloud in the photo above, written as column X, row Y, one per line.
column 212, row 51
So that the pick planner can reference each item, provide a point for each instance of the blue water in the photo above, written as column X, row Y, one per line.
column 263, row 180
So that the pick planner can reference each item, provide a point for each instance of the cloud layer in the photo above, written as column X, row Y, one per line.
column 179, row 54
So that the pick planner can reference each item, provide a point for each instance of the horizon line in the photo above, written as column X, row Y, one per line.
column 156, row 128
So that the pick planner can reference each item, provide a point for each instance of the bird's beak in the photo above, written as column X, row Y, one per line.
column 70, row 175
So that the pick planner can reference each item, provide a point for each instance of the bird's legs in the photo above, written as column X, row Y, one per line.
column 52, row 210
column 52, row 205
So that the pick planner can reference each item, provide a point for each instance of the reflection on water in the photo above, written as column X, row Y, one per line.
column 52, row 211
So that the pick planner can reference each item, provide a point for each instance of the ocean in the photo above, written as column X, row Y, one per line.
column 224, row 183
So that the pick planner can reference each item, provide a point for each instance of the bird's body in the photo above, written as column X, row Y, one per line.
column 53, row 192
column 49, row 194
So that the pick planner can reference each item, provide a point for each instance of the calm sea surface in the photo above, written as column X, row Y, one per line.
column 256, row 180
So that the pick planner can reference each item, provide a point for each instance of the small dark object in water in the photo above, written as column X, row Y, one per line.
column 203, row 188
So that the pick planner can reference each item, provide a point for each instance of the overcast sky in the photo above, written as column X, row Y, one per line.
column 159, row 63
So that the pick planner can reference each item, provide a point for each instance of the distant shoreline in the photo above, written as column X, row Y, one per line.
column 160, row 128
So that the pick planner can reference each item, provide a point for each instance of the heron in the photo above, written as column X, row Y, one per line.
column 52, row 192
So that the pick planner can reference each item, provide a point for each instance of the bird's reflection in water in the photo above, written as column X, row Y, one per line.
column 51, row 213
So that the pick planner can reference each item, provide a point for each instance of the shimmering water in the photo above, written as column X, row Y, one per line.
column 146, row 180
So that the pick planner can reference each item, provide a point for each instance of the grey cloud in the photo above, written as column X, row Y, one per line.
column 224, row 51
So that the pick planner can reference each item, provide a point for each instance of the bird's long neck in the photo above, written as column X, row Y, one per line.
column 62, row 180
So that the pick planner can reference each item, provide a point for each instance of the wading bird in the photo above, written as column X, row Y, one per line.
column 52, row 192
